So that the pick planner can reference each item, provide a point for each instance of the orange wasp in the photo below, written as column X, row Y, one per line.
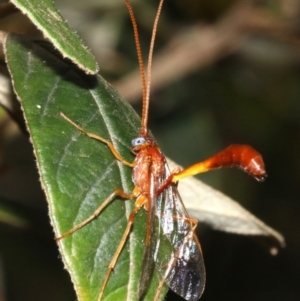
column 155, row 190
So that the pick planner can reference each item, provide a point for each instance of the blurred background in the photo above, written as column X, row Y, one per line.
column 223, row 72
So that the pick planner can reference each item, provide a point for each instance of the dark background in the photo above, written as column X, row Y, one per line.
column 245, row 91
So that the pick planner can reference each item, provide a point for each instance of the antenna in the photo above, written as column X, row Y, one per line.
column 146, row 82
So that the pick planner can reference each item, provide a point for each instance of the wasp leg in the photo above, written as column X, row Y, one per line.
column 117, row 192
column 141, row 200
column 96, row 137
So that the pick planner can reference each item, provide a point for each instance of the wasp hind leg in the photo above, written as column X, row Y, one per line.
column 140, row 202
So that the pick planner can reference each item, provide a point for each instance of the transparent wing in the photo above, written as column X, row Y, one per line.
column 178, row 255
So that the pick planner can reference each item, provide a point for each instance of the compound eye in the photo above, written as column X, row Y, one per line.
column 138, row 141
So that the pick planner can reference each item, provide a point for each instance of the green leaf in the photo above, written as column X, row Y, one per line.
column 47, row 18
column 77, row 172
